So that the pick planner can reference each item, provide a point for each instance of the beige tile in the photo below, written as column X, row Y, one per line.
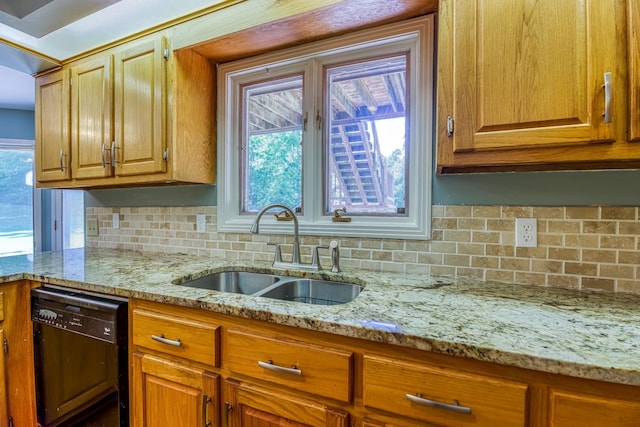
column 504, row 276
column 599, row 227
column 471, row 224
column 534, row 253
column 470, row 273
column 630, row 286
column 563, row 227
column 564, row 254
column 581, row 241
column 617, row 271
column 457, row 236
column 457, row 260
column 430, row 258
column 445, row 271
column 471, row 248
column 563, row 281
column 582, row 212
column 596, row 255
column 444, row 224
column 515, row 264
column 500, row 250
column 582, row 269
column 381, row 255
column 485, row 262
column 597, row 284
column 542, row 266
column 629, row 257
column 617, row 212
column 629, row 227
column 485, row 237
column 457, row 211
column 609, row 242
column 548, row 212
column 485, row 211
column 517, row 212
column 531, row 278
column 500, row 224
column 405, row 256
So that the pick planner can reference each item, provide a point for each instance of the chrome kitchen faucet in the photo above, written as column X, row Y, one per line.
column 295, row 257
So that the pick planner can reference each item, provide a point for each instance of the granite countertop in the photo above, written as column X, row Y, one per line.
column 582, row 334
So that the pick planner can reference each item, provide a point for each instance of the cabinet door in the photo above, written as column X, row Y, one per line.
column 253, row 406
column 634, row 69
column 52, row 127
column 169, row 393
column 140, row 109
column 568, row 409
column 18, row 378
column 519, row 75
column 91, row 84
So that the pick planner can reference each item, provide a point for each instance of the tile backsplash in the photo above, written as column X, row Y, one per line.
column 578, row 247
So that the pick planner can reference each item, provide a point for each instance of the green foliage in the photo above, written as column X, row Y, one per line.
column 274, row 169
column 396, row 165
column 16, row 197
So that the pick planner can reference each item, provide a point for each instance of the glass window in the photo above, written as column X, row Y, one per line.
column 16, row 201
column 367, row 110
column 272, row 161
column 344, row 123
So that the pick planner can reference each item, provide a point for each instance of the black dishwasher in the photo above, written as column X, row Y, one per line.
column 80, row 351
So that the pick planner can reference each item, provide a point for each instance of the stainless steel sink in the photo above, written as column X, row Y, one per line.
column 239, row 282
column 312, row 291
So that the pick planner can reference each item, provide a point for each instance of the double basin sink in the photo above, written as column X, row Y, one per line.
column 309, row 291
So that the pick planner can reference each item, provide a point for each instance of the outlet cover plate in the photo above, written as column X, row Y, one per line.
column 201, row 223
column 92, row 227
column 527, row 232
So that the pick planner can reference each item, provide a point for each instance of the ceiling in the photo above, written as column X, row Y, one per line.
column 36, row 35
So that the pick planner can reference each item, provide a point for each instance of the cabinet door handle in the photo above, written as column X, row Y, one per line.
column 228, row 408
column 608, row 92
column 113, row 153
column 455, row 407
column 269, row 365
column 164, row 340
column 205, row 402
column 104, row 148
column 62, row 156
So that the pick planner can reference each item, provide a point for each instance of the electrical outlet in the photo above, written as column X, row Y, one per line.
column 527, row 232
column 201, row 223
column 116, row 220
column 92, row 227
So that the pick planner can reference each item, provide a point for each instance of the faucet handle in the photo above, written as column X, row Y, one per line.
column 315, row 257
column 278, row 256
column 335, row 256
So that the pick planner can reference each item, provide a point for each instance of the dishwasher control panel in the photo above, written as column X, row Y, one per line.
column 90, row 316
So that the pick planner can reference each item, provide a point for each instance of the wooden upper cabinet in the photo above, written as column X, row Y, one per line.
column 134, row 114
column 91, row 118
column 524, row 83
column 634, row 69
column 140, row 108
column 52, row 127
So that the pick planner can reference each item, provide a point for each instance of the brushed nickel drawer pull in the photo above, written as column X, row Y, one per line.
column 164, row 340
column 269, row 365
column 455, row 407
column 608, row 90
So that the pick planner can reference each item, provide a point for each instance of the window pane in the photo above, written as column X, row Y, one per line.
column 368, row 124
column 73, row 219
column 16, row 202
column 272, row 154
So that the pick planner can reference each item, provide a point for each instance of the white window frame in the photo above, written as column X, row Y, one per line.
column 415, row 36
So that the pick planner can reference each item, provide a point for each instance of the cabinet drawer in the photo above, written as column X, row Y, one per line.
column 442, row 396
column 182, row 337
column 306, row 367
column 577, row 409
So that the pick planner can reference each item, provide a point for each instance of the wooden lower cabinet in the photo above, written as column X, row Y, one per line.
column 167, row 393
column 569, row 409
column 248, row 405
column 227, row 371
column 17, row 378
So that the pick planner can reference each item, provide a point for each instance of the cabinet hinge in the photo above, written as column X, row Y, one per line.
column 166, row 53
column 10, row 421
column 449, row 126
column 5, row 346
column 165, row 154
